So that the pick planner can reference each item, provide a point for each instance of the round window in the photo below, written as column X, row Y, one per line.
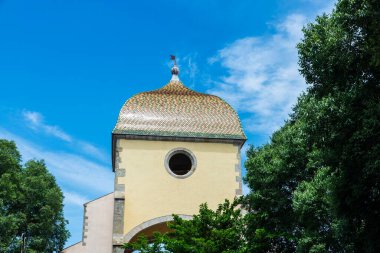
column 180, row 163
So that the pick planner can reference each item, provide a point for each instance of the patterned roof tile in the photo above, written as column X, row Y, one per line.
column 175, row 110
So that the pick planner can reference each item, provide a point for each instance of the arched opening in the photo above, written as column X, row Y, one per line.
column 148, row 232
column 149, row 227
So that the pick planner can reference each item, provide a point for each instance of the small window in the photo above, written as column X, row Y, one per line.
column 180, row 163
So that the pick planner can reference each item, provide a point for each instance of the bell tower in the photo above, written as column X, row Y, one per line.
column 172, row 149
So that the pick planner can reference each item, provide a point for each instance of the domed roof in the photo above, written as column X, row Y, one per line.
column 177, row 111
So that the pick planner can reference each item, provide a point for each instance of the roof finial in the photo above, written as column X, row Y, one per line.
column 175, row 69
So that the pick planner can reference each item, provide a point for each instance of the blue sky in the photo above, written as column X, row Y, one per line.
column 67, row 67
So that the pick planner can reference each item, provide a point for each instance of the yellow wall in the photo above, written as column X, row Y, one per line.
column 151, row 192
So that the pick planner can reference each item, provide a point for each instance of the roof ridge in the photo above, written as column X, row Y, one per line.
column 175, row 88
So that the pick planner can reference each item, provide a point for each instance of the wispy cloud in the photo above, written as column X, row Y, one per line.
column 74, row 198
column 69, row 168
column 262, row 77
column 92, row 150
column 188, row 67
column 36, row 122
column 34, row 118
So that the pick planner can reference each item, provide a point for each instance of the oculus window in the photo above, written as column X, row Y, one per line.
column 180, row 162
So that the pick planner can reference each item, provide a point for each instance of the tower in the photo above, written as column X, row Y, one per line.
column 172, row 149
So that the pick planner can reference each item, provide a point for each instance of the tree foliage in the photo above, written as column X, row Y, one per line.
column 219, row 231
column 316, row 185
column 30, row 205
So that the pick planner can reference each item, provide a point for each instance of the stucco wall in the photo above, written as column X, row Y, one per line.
column 151, row 192
column 97, row 227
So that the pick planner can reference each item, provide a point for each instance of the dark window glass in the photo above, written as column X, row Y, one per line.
column 180, row 164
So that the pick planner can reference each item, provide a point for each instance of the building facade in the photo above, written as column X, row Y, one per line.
column 172, row 149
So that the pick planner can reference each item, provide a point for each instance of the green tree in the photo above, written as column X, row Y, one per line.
column 207, row 232
column 11, row 195
column 273, row 173
column 30, row 205
column 316, row 185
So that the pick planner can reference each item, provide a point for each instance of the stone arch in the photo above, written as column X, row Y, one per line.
column 156, row 222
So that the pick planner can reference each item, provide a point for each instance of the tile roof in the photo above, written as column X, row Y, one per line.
column 176, row 111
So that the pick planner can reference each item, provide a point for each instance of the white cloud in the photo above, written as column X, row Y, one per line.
column 55, row 131
column 262, row 77
column 190, row 67
column 36, row 122
column 74, row 198
column 34, row 117
column 92, row 150
column 70, row 168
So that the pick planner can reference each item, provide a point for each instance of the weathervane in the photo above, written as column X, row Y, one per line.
column 175, row 69
column 172, row 57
